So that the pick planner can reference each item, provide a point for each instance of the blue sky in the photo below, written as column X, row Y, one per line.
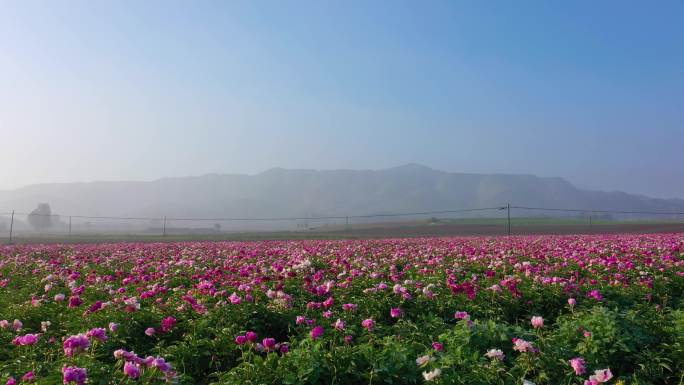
column 589, row 91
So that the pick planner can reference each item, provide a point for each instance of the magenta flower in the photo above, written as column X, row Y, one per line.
column 75, row 344
column 269, row 344
column 317, row 332
column 167, row 324
column 75, row 301
column 113, row 327
column 150, row 332
column 161, row 364
column 284, row 348
column 396, row 312
column 595, row 294
column 11, row 381
column 26, row 340
column 251, row 336
column 99, row 334
column 28, row 377
column 240, row 340
column 438, row 346
column 572, row 301
column 131, row 370
column 74, row 374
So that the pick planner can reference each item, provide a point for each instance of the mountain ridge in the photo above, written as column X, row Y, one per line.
column 310, row 192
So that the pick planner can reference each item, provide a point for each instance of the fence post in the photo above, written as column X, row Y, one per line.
column 508, row 211
column 11, row 227
column 164, row 229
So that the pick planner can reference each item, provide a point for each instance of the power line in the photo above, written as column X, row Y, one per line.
column 600, row 211
column 346, row 217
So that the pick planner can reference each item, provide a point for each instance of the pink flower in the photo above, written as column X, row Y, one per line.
column 339, row 325
column 99, row 334
column 113, row 327
column 131, row 370
column 150, row 332
column 317, row 332
column 59, row 297
column 284, row 348
column 522, row 346
column 601, row 376
column 235, row 299
column 26, row 340
column 579, row 365
column 537, row 322
column 75, row 344
column 595, row 294
column 395, row 312
column 11, row 381
column 74, row 374
column 572, row 301
column 461, row 315
column 369, row 324
column 240, row 340
column 28, row 377
column 438, row 346
column 251, row 336
column 17, row 325
column 350, row 307
column 161, row 364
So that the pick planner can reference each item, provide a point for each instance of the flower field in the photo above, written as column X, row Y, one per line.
column 520, row 310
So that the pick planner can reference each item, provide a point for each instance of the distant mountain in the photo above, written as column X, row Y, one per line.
column 281, row 192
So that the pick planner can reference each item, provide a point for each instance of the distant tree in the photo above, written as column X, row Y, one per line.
column 41, row 218
column 217, row 227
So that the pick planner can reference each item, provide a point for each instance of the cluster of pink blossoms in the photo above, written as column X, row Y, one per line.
column 135, row 365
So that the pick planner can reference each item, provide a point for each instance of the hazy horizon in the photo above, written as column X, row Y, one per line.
column 589, row 92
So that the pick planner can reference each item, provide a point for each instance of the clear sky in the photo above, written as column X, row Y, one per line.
column 592, row 91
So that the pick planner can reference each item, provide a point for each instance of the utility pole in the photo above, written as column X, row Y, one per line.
column 508, row 207
column 11, row 227
column 346, row 227
column 69, row 226
column 164, row 228
column 589, row 220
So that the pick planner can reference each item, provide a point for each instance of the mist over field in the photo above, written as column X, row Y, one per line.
column 282, row 193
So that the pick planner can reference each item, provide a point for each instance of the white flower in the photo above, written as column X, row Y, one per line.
column 423, row 360
column 528, row 382
column 431, row 375
column 495, row 354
